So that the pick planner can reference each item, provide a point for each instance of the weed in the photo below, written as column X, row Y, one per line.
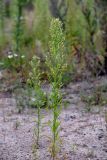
column 97, row 97
column 35, row 81
column 2, row 22
column 42, row 21
column 22, row 99
column 56, row 65
column 90, row 154
column 19, row 23
column 18, row 31
column 74, row 148
column 16, row 125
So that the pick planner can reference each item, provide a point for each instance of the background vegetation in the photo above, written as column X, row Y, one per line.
column 24, row 32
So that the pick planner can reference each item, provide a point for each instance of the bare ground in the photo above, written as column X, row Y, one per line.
column 83, row 134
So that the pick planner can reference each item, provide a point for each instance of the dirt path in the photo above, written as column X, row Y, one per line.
column 83, row 134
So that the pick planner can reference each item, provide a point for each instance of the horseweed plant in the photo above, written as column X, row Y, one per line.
column 19, row 24
column 55, row 62
column 35, row 82
column 17, row 7
column 2, row 17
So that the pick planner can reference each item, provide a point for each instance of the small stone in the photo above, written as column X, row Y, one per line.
column 73, row 117
column 105, row 150
column 94, row 146
column 100, row 136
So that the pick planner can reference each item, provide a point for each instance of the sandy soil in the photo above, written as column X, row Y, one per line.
column 83, row 134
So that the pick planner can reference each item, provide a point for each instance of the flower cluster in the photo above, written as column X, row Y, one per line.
column 11, row 55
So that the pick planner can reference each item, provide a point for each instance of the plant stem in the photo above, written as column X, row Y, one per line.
column 18, row 27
